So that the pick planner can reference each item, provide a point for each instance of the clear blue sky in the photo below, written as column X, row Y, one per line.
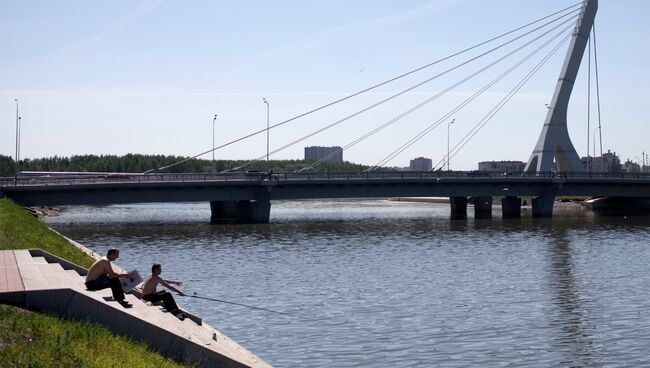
column 116, row 77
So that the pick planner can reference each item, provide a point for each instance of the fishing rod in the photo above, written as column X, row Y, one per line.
column 239, row 304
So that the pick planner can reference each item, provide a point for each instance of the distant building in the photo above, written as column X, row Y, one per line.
column 421, row 164
column 607, row 163
column 316, row 153
column 631, row 167
column 502, row 166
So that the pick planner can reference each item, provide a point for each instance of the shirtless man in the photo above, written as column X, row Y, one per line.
column 149, row 291
column 101, row 276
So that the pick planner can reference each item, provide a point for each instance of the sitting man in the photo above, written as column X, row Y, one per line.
column 149, row 291
column 101, row 276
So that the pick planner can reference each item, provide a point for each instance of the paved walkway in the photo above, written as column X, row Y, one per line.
column 35, row 279
column 9, row 276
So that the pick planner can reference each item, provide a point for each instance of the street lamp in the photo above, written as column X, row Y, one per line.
column 17, row 140
column 213, row 121
column 267, row 128
column 448, row 127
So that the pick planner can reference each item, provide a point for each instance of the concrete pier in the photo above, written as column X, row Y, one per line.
column 511, row 207
column 543, row 205
column 482, row 207
column 458, row 207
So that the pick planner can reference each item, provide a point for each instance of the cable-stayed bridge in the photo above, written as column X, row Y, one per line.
column 554, row 167
column 247, row 197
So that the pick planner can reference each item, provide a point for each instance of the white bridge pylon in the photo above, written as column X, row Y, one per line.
column 554, row 141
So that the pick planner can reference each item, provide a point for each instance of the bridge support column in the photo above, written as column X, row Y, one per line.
column 482, row 207
column 458, row 207
column 511, row 207
column 241, row 212
column 543, row 205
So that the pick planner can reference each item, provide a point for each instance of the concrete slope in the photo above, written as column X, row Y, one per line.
column 59, row 288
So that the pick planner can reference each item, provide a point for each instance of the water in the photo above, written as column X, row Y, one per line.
column 394, row 284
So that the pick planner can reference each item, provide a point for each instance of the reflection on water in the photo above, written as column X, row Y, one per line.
column 381, row 283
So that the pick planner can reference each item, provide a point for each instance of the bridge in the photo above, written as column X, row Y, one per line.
column 247, row 197
column 554, row 168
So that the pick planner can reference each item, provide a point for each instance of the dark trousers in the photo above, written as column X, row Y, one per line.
column 105, row 282
column 165, row 297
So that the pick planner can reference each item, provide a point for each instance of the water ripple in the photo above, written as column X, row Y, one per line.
column 379, row 283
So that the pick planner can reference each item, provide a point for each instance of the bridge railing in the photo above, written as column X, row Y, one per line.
column 113, row 178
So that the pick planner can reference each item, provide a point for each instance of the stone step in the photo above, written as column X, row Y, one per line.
column 29, row 272
column 39, row 260
column 76, row 280
column 54, row 274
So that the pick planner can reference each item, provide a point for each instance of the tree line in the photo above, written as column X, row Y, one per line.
column 138, row 163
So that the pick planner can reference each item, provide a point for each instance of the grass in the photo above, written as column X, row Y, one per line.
column 20, row 230
column 29, row 339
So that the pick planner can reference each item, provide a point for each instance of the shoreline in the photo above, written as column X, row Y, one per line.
column 445, row 200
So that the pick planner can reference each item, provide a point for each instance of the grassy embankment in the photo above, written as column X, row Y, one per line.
column 29, row 339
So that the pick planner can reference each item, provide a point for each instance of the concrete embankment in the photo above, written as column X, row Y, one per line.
column 38, row 280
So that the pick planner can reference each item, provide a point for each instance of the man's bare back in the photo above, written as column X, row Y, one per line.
column 101, row 267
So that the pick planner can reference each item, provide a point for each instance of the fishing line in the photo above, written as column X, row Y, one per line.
column 195, row 295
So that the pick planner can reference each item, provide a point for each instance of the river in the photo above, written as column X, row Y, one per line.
column 376, row 283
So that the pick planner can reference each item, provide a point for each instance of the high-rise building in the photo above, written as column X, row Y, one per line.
column 317, row 153
column 421, row 164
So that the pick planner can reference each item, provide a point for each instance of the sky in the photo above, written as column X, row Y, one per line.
column 148, row 76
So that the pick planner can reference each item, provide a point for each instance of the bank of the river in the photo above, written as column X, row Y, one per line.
column 526, row 201
column 29, row 339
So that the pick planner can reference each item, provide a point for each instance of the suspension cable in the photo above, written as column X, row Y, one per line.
column 589, row 164
column 437, row 123
column 382, row 83
column 434, row 97
column 499, row 105
column 401, row 93
column 600, row 131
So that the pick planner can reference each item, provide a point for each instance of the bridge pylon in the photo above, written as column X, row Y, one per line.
column 554, row 143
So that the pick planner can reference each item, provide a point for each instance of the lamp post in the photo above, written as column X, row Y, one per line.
column 17, row 141
column 267, row 128
column 213, row 121
column 643, row 167
column 448, row 128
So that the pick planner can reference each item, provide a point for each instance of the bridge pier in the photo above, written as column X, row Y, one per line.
column 511, row 207
column 256, row 211
column 543, row 205
column 458, row 207
column 482, row 207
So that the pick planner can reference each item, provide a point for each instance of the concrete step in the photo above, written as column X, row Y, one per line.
column 54, row 274
column 39, row 260
column 75, row 279
column 29, row 272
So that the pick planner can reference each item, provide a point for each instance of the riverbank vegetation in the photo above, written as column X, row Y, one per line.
column 29, row 339
column 20, row 230
column 138, row 163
